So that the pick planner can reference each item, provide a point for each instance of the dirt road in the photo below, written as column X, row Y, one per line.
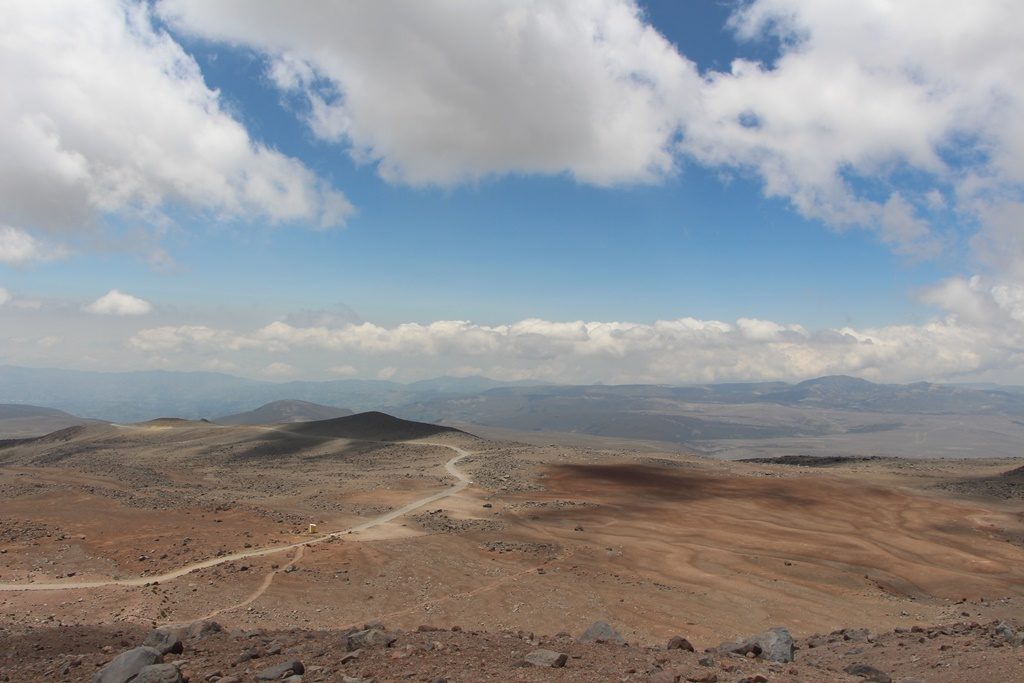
column 462, row 481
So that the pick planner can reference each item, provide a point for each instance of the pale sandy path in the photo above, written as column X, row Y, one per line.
column 462, row 481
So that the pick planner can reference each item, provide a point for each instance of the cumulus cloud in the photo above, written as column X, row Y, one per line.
column 444, row 92
column 5, row 296
column 170, row 338
column 863, row 92
column 116, row 302
column 978, row 336
column 17, row 247
column 387, row 373
column 862, row 96
column 278, row 369
column 105, row 114
column 343, row 370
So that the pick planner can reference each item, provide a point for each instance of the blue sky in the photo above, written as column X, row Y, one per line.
column 716, row 221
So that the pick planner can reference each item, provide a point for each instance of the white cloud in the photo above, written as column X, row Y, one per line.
column 116, row 302
column 17, row 247
column 445, row 92
column 105, row 114
column 170, row 338
column 278, row 369
column 387, row 373
column 978, row 336
column 342, row 370
column 864, row 92
column 218, row 365
column 5, row 296
column 863, row 96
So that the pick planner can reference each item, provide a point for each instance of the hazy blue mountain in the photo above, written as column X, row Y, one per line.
column 279, row 412
column 18, row 421
column 144, row 395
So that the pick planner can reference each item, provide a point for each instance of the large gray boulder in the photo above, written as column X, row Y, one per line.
column 204, row 629
column 774, row 645
column 158, row 673
column 167, row 639
column 127, row 665
column 369, row 638
column 601, row 632
column 547, row 658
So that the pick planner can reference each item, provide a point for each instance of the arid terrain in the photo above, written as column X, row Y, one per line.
column 913, row 567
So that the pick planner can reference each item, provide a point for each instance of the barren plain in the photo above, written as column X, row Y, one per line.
column 913, row 567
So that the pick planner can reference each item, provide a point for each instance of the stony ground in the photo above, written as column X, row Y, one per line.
column 956, row 652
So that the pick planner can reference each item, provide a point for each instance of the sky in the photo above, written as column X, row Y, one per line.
column 556, row 190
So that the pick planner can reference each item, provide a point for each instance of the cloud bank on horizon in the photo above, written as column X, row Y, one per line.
column 901, row 118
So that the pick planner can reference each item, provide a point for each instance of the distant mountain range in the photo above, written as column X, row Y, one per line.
column 137, row 396
column 711, row 417
column 144, row 395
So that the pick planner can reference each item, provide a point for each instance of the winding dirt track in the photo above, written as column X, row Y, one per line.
column 462, row 481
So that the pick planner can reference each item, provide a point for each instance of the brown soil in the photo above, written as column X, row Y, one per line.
column 546, row 539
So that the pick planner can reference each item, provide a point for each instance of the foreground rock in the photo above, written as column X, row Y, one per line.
column 369, row 638
column 679, row 643
column 774, row 645
column 127, row 665
column 159, row 673
column 957, row 652
column 547, row 658
column 602, row 632
column 1010, row 634
column 203, row 629
column 868, row 673
column 167, row 639
column 279, row 671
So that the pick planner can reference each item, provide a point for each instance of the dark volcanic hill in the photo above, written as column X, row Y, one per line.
column 371, row 426
column 282, row 412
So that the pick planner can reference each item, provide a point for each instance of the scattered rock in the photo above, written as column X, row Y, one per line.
column 663, row 677
column 548, row 658
column 702, row 677
column 774, row 645
column 127, row 665
column 278, row 671
column 679, row 643
column 368, row 638
column 601, row 632
column 1010, row 634
column 868, row 673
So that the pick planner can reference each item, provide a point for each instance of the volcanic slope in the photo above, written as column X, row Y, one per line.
column 371, row 426
column 282, row 412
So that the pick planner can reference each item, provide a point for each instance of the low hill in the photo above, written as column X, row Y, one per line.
column 283, row 412
column 371, row 426
column 19, row 421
